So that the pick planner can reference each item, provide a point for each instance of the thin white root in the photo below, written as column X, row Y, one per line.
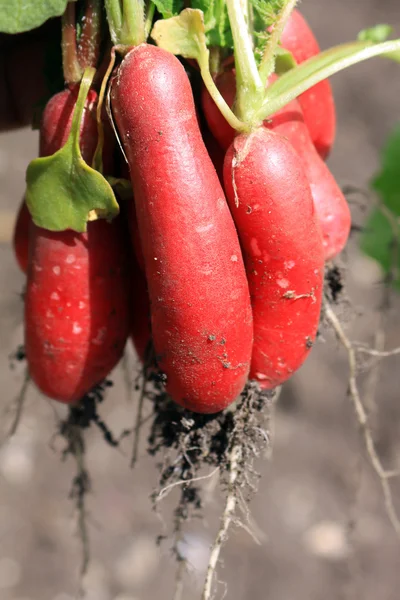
column 362, row 419
column 229, row 510
column 168, row 488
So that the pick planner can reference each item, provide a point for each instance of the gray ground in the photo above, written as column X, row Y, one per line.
column 317, row 483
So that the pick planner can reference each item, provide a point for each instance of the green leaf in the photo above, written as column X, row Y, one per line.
column 265, row 16
column 184, row 35
column 381, row 238
column 17, row 16
column 376, row 34
column 63, row 192
column 216, row 22
column 169, row 8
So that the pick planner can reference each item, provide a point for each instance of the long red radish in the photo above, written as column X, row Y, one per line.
column 317, row 103
column 273, row 210
column 76, row 308
column 330, row 204
column 76, row 303
column 200, row 307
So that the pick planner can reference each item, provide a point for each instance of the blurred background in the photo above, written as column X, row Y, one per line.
column 319, row 512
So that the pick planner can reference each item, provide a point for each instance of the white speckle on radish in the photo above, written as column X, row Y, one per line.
column 76, row 328
column 37, row 268
column 54, row 296
column 289, row 264
column 204, row 228
column 261, row 376
column 70, row 259
column 81, row 304
column 283, row 283
column 49, row 314
column 234, row 258
column 56, row 270
column 254, row 247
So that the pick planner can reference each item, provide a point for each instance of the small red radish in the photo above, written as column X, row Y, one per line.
column 317, row 103
column 200, row 307
column 273, row 210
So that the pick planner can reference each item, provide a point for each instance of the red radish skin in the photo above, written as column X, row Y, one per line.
column 201, row 317
column 21, row 236
column 140, row 303
column 57, row 120
column 215, row 152
column 219, row 127
column 140, row 315
column 76, row 302
column 76, row 308
column 330, row 204
column 272, row 207
column 317, row 103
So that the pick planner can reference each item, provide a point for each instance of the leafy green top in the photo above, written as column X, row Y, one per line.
column 17, row 16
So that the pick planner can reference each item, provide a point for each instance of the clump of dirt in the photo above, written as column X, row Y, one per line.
column 190, row 442
column 334, row 283
column 18, row 356
column 85, row 413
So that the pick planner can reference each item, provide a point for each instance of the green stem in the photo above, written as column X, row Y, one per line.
column 114, row 18
column 89, row 43
column 268, row 60
column 71, row 67
column 250, row 88
column 316, row 69
column 149, row 18
column 74, row 136
column 216, row 96
column 132, row 31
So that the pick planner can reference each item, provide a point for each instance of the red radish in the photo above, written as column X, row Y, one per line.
column 317, row 103
column 76, row 303
column 140, row 313
column 21, row 236
column 140, row 304
column 57, row 119
column 330, row 204
column 272, row 207
column 215, row 152
column 76, row 308
column 200, row 307
column 219, row 127
column 59, row 110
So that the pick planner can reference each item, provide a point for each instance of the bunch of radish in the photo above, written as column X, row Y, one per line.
column 217, row 258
